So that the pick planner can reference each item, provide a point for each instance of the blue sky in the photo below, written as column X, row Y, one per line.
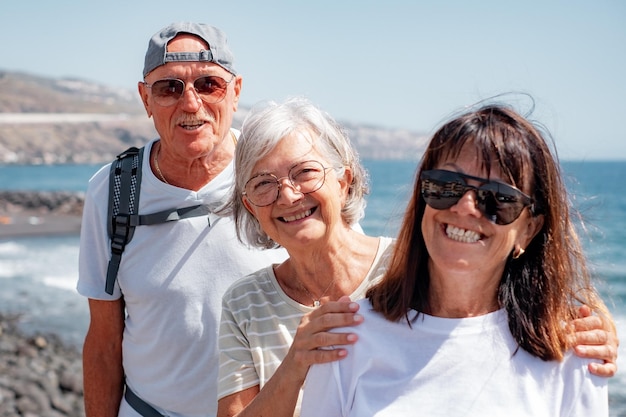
column 399, row 64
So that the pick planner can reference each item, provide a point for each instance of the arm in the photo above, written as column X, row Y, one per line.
column 596, row 338
column 102, row 359
column 312, row 344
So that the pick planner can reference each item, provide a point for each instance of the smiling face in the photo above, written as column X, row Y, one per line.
column 297, row 219
column 461, row 241
column 191, row 128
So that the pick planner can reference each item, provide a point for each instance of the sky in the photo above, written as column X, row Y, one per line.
column 396, row 64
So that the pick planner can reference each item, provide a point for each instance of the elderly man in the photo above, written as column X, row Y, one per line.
column 151, row 346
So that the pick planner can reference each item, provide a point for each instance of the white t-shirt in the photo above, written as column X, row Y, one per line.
column 259, row 322
column 172, row 277
column 449, row 367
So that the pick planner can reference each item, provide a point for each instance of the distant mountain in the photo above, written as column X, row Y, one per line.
column 25, row 93
column 46, row 120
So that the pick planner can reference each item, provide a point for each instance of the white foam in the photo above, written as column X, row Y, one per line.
column 50, row 261
column 65, row 282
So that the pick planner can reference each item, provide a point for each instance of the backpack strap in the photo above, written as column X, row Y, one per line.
column 171, row 215
column 124, row 185
column 124, row 182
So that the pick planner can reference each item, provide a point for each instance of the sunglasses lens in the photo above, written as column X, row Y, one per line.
column 442, row 189
column 211, row 89
column 167, row 92
column 499, row 202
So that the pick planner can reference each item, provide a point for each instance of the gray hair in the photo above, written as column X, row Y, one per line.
column 263, row 128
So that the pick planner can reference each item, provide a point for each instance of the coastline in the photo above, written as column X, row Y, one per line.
column 40, row 213
column 28, row 224
column 40, row 374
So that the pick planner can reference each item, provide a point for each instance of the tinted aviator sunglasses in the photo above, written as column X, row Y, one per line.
column 210, row 88
column 500, row 203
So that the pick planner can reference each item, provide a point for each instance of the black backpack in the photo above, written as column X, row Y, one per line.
column 122, row 217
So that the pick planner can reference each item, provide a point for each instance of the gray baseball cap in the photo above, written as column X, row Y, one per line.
column 218, row 52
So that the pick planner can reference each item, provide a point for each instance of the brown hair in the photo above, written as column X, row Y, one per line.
column 541, row 289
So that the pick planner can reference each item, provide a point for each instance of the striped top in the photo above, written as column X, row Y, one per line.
column 259, row 322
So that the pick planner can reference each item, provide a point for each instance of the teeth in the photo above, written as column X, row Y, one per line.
column 462, row 235
column 297, row 216
column 191, row 126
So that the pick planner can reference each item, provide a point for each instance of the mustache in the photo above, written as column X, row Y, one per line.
column 199, row 117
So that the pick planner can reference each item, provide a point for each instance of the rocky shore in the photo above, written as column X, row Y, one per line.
column 34, row 213
column 39, row 375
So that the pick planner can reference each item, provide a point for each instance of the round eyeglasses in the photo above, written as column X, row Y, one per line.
column 210, row 88
column 304, row 177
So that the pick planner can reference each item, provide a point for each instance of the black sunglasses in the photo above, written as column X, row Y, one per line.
column 499, row 202
column 210, row 88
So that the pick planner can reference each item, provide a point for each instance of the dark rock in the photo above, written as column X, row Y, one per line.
column 37, row 213
column 42, row 202
column 39, row 375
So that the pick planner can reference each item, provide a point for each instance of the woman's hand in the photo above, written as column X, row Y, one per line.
column 314, row 343
column 595, row 338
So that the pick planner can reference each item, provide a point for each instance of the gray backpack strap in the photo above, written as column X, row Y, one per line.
column 139, row 405
column 124, row 183
column 172, row 215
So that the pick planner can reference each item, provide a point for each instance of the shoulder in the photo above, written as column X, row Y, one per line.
column 374, row 332
column 383, row 256
column 367, row 310
column 373, row 321
column 582, row 392
column 256, row 302
column 256, row 285
column 577, row 368
column 387, row 244
column 99, row 181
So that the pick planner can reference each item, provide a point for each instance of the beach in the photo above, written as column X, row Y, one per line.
column 36, row 224
column 40, row 375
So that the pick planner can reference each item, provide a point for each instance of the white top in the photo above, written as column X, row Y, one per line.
column 172, row 277
column 449, row 367
column 259, row 322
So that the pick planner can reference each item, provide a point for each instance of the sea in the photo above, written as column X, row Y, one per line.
column 38, row 274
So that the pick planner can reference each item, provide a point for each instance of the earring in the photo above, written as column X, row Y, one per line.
column 518, row 252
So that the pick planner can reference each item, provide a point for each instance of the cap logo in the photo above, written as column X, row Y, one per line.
column 202, row 56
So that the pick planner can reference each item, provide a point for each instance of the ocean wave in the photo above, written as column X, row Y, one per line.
column 51, row 261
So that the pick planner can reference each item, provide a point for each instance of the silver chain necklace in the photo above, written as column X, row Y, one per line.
column 316, row 302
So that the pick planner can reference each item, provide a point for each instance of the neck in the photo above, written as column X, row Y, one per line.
column 459, row 295
column 333, row 272
column 191, row 173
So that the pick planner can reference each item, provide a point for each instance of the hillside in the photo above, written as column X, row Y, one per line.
column 48, row 121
